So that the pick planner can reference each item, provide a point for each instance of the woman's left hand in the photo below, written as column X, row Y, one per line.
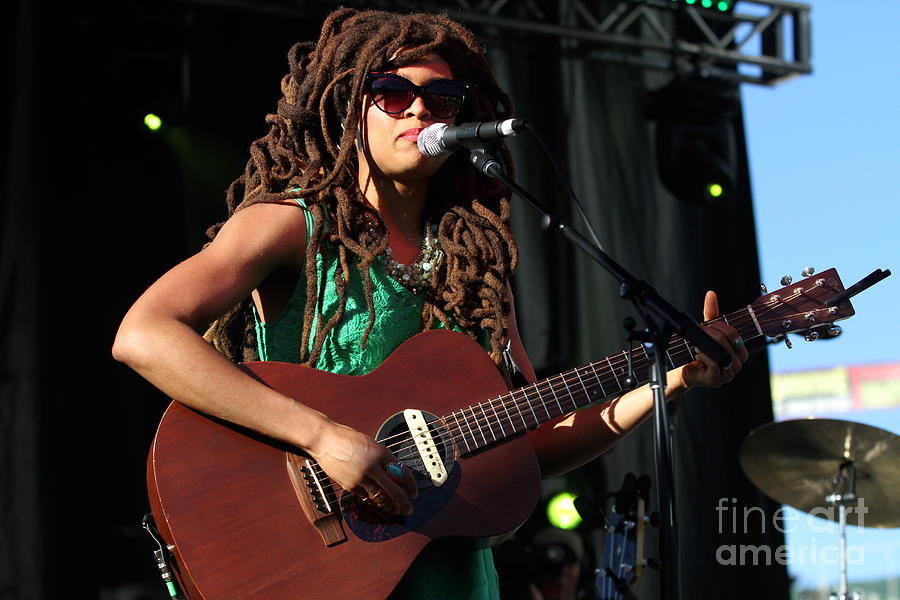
column 703, row 371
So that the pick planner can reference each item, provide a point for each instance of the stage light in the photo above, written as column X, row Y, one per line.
column 720, row 5
column 696, row 143
column 561, row 511
column 153, row 122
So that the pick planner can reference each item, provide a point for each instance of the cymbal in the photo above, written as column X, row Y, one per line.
column 796, row 463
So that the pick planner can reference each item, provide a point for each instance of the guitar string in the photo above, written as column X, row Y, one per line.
column 741, row 317
column 509, row 400
column 577, row 380
column 553, row 385
column 737, row 318
column 456, row 438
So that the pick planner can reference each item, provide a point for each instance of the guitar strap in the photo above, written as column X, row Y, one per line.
column 511, row 372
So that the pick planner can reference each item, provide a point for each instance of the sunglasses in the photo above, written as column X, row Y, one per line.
column 393, row 94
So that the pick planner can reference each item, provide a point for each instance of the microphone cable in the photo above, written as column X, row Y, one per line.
column 569, row 191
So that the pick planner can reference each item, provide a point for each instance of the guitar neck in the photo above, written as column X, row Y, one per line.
column 494, row 420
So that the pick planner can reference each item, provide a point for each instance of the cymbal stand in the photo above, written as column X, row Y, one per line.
column 846, row 473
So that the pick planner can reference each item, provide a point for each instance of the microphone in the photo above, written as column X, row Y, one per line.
column 440, row 140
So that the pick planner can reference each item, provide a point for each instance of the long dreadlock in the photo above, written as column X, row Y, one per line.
column 309, row 153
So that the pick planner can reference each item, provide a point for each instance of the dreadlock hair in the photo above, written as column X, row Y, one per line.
column 309, row 153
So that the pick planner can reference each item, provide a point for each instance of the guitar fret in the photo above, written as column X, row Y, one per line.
column 543, row 403
column 497, row 417
column 669, row 356
column 531, row 406
column 587, row 394
column 556, row 398
column 613, row 371
column 480, row 430
column 599, row 379
column 568, row 393
column 519, row 408
column 469, row 425
column 488, row 421
column 462, row 434
column 688, row 346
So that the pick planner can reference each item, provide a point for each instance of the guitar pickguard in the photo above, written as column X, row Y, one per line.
column 372, row 524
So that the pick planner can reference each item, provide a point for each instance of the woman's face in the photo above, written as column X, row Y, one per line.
column 390, row 150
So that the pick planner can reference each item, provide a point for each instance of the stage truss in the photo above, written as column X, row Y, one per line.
column 760, row 41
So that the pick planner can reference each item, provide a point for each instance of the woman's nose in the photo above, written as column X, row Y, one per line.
column 418, row 109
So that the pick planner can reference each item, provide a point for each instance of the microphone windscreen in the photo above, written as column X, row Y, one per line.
column 429, row 141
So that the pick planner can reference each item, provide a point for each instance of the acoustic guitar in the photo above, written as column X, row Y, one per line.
column 246, row 517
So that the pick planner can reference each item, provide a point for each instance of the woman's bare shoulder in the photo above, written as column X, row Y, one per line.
column 275, row 234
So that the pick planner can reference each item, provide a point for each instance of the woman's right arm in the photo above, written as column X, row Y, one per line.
column 158, row 338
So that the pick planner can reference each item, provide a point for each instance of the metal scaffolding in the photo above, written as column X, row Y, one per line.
column 759, row 41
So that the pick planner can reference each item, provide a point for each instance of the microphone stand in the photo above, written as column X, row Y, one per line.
column 661, row 320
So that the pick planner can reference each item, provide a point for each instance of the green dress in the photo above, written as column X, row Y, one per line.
column 445, row 569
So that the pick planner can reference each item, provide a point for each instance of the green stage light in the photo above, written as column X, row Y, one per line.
column 721, row 5
column 715, row 190
column 561, row 511
column 153, row 122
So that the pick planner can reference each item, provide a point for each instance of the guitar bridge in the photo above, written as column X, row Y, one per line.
column 317, row 498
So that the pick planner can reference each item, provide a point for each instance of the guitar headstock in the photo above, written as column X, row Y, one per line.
column 623, row 549
column 801, row 307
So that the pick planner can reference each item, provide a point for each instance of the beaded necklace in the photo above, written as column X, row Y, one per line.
column 417, row 275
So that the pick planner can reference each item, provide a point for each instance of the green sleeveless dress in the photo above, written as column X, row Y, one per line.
column 446, row 569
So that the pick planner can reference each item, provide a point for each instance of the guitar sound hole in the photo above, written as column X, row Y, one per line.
column 396, row 437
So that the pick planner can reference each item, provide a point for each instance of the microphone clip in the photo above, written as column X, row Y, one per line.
column 485, row 163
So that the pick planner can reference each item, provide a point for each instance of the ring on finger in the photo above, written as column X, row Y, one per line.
column 395, row 468
column 377, row 497
column 738, row 342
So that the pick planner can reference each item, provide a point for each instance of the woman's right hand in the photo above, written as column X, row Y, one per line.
column 359, row 465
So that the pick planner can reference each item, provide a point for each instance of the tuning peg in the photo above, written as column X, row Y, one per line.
column 825, row 331
column 763, row 289
column 788, row 343
column 786, row 280
column 807, row 271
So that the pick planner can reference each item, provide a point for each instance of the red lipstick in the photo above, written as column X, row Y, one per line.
column 411, row 134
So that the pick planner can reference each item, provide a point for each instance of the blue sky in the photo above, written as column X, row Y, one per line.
column 823, row 157
column 823, row 154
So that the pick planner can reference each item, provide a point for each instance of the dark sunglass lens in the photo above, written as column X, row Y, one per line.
column 444, row 98
column 443, row 106
column 392, row 95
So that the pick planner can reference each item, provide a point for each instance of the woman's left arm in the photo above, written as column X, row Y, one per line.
column 572, row 440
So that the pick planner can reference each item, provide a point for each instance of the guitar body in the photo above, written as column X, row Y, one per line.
column 224, row 498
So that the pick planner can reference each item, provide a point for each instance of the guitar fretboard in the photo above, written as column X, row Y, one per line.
column 494, row 420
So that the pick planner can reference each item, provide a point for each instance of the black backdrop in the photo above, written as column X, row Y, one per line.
column 96, row 207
